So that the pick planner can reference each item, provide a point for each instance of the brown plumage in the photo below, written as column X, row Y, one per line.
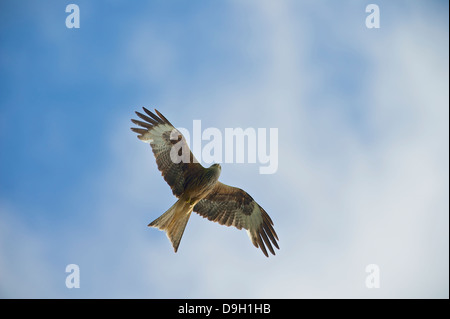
column 198, row 189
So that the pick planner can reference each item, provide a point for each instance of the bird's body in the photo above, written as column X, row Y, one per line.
column 198, row 188
column 202, row 182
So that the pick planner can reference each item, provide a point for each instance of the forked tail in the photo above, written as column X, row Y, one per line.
column 174, row 221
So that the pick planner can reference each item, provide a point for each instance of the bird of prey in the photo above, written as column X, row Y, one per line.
column 198, row 188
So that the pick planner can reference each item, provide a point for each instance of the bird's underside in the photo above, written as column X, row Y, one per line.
column 198, row 188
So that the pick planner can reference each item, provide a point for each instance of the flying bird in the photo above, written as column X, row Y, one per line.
column 198, row 188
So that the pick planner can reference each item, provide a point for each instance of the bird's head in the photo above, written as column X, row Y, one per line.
column 214, row 170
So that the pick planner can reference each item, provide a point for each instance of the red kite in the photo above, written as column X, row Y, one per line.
column 198, row 189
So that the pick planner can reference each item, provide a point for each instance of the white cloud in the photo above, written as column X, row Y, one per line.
column 24, row 270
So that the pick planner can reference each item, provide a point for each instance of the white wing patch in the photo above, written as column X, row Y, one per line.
column 155, row 135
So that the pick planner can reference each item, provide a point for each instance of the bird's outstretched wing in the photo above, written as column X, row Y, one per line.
column 162, row 137
column 232, row 206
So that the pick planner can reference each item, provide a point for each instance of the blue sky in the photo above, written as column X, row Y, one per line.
column 363, row 128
